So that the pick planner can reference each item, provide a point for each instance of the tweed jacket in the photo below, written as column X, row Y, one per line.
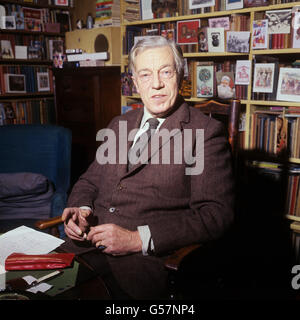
column 179, row 209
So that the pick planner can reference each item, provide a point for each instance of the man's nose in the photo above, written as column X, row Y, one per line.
column 156, row 81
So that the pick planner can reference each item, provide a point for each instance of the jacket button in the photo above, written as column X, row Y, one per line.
column 112, row 210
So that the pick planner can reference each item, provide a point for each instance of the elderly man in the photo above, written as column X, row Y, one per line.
column 138, row 212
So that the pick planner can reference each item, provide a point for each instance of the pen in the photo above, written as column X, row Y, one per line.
column 46, row 277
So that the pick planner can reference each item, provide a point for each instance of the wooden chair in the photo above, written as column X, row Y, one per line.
column 173, row 263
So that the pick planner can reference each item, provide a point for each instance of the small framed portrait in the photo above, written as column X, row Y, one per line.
column 15, row 83
column 215, row 39
column 6, row 49
column 219, row 22
column 279, row 21
column 263, row 77
column 187, row 31
column 205, row 81
column 62, row 2
column 289, row 84
column 234, row 4
column 225, row 85
column 9, row 22
column 43, row 82
column 243, row 72
column 238, row 41
column 196, row 4
column 260, row 34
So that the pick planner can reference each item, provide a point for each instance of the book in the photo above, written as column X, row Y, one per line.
column 88, row 56
column 6, row 49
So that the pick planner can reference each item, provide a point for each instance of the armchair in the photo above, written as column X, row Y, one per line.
column 174, row 262
column 38, row 149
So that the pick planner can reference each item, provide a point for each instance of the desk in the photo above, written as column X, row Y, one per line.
column 76, row 283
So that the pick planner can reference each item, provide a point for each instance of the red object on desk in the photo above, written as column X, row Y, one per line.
column 20, row 261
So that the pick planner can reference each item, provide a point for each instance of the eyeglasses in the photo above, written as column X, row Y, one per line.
column 146, row 76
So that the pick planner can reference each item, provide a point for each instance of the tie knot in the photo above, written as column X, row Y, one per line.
column 153, row 123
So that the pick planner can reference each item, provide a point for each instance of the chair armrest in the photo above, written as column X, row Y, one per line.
column 51, row 224
column 173, row 261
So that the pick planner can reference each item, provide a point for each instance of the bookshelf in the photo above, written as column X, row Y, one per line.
column 132, row 25
column 30, row 48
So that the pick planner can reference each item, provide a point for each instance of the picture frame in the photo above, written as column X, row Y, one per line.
column 295, row 34
column 238, row 41
column 15, row 83
column 205, row 81
column 288, row 84
column 9, row 22
column 260, row 34
column 219, row 22
column 243, row 72
column 202, row 40
column 234, row 4
column 215, row 39
column 279, row 21
column 225, row 85
column 196, row 4
column 187, row 31
column 263, row 79
column 43, row 83
column 6, row 49
column 62, row 3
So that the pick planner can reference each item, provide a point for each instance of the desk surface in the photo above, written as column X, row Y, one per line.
column 76, row 283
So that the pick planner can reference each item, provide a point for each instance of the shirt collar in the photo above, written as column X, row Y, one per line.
column 147, row 115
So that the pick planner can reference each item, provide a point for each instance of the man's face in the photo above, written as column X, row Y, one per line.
column 155, row 78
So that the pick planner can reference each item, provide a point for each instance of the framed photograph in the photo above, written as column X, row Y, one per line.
column 202, row 40
column 9, row 22
column 279, row 21
column 6, row 50
column 61, row 2
column 19, row 18
column 289, row 84
column 215, row 39
column 263, row 77
column 238, row 41
column 260, row 34
column 43, row 82
column 234, row 4
column 196, row 4
column 220, row 22
column 242, row 72
column 296, row 30
column 225, row 85
column 205, row 81
column 15, row 83
column 187, row 31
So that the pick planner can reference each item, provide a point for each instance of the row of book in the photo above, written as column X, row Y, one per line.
column 293, row 194
column 146, row 9
column 25, row 79
column 275, row 132
column 37, row 47
column 50, row 2
column 107, row 13
column 37, row 111
column 193, row 35
column 36, row 19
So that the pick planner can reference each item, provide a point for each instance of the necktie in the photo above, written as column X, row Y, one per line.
column 145, row 137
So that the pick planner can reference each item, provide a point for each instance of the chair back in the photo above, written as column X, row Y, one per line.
column 229, row 111
column 44, row 149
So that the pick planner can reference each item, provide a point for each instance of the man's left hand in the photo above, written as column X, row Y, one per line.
column 117, row 240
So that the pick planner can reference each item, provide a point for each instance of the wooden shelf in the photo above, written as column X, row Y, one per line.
column 23, row 31
column 26, row 61
column 35, row 5
column 213, row 14
column 28, row 94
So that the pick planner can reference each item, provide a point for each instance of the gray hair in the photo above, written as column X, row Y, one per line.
column 157, row 42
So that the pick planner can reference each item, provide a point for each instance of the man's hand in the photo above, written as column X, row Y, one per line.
column 117, row 240
column 75, row 222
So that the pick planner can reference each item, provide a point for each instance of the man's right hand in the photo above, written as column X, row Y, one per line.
column 75, row 222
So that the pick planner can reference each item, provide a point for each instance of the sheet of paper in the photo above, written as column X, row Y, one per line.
column 43, row 287
column 26, row 240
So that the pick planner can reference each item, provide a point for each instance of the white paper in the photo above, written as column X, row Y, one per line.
column 42, row 287
column 28, row 241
